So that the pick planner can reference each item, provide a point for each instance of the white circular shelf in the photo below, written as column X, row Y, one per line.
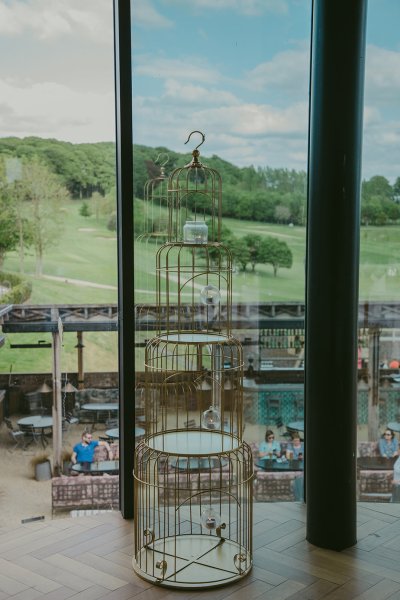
column 193, row 338
column 193, row 443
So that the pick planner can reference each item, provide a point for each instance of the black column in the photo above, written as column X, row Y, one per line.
column 336, row 108
column 126, row 346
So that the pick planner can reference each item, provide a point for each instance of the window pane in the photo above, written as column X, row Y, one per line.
column 58, row 278
column 238, row 74
column 379, row 349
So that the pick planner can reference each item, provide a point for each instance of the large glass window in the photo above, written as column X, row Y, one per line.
column 239, row 74
column 379, row 350
column 58, row 252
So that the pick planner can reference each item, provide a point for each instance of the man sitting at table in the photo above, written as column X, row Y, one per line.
column 83, row 452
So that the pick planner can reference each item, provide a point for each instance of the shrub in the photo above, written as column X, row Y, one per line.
column 112, row 222
column 20, row 289
column 84, row 210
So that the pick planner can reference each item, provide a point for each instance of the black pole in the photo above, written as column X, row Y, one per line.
column 126, row 320
column 336, row 108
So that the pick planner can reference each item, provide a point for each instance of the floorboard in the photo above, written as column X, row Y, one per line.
column 90, row 557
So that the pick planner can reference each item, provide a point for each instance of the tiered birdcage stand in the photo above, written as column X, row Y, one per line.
column 193, row 472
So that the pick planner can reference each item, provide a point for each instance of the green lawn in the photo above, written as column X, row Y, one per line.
column 86, row 257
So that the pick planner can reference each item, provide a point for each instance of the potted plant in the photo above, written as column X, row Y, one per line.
column 41, row 466
column 66, row 454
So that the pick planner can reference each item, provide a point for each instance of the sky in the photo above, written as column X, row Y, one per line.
column 237, row 70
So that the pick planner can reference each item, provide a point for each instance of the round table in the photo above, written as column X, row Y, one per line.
column 37, row 422
column 278, row 465
column 114, row 433
column 394, row 425
column 100, row 407
column 98, row 467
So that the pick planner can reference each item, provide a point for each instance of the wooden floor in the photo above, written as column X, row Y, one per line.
column 89, row 558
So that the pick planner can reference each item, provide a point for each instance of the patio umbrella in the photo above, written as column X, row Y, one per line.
column 44, row 389
column 69, row 388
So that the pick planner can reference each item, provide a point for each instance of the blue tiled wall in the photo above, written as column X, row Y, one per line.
column 290, row 398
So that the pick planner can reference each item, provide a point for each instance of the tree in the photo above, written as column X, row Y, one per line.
column 255, row 248
column 84, row 210
column 8, row 225
column 377, row 187
column 372, row 212
column 240, row 252
column 43, row 195
column 23, row 226
column 396, row 190
column 282, row 213
column 277, row 254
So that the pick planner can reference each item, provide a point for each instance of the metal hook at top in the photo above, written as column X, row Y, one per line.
column 202, row 135
column 159, row 155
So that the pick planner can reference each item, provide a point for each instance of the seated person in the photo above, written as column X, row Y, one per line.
column 270, row 448
column 388, row 444
column 396, row 481
column 296, row 447
column 83, row 452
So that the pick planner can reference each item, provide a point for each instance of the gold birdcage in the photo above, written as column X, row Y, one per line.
column 156, row 204
column 195, row 195
column 193, row 471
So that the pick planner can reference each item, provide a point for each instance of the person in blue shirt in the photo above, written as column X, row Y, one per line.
column 83, row 452
column 388, row 444
column 270, row 448
column 296, row 447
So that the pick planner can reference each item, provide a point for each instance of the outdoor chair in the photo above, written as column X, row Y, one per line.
column 31, row 434
column 17, row 435
column 68, row 420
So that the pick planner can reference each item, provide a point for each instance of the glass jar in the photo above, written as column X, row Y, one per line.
column 195, row 232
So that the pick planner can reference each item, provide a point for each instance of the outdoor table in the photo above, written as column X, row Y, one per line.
column 37, row 422
column 376, row 463
column 296, row 426
column 98, row 467
column 267, row 464
column 101, row 407
column 114, row 433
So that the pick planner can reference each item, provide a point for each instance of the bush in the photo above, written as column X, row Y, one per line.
column 112, row 222
column 84, row 210
column 20, row 291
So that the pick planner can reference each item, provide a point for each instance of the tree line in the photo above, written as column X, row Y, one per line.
column 37, row 175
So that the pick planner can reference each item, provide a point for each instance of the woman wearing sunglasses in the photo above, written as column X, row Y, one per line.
column 270, row 448
column 388, row 444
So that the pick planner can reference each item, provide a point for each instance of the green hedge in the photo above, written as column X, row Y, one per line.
column 20, row 289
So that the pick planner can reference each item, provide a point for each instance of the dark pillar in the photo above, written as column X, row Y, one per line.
column 336, row 108
column 79, row 346
column 373, row 382
column 126, row 320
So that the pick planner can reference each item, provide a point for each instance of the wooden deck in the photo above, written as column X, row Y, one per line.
column 89, row 558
